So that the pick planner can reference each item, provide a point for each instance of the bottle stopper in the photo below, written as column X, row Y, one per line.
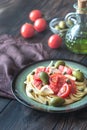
column 82, row 5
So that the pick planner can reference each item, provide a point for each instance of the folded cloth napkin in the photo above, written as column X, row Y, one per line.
column 15, row 53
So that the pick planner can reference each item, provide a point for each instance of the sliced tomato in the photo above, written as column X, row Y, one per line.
column 65, row 69
column 43, row 69
column 64, row 91
column 54, row 88
column 47, row 69
column 56, row 81
column 72, row 86
column 38, row 83
column 61, row 68
column 36, row 77
column 40, row 69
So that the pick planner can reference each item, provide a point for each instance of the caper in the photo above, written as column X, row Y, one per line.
column 81, row 89
column 32, row 72
column 59, row 62
column 44, row 77
column 56, row 101
column 79, row 75
column 62, row 24
column 68, row 81
column 31, row 90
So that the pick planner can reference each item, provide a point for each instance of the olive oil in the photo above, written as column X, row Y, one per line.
column 76, row 36
column 77, row 45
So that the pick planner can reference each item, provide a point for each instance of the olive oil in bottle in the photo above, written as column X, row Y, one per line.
column 77, row 44
column 76, row 36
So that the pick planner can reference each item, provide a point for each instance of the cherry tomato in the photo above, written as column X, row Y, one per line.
column 35, row 14
column 40, row 24
column 64, row 91
column 54, row 41
column 27, row 30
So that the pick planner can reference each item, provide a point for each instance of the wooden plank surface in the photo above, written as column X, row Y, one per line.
column 3, row 103
column 13, row 115
column 18, row 117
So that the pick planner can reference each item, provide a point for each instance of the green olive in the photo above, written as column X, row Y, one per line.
column 44, row 77
column 85, row 90
column 57, row 27
column 79, row 75
column 69, row 23
column 62, row 24
column 56, row 101
column 59, row 62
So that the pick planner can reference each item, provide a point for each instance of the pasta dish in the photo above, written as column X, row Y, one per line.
column 57, row 84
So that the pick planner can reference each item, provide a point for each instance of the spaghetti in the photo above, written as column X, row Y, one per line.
column 60, row 83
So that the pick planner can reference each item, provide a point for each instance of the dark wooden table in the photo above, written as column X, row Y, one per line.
column 14, row 115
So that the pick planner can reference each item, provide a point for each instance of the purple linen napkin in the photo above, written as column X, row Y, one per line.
column 15, row 53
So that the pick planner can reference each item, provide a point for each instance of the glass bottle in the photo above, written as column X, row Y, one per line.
column 76, row 36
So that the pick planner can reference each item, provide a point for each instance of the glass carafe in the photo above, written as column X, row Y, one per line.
column 76, row 36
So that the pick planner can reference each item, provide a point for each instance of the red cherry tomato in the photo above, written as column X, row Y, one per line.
column 40, row 24
column 27, row 30
column 35, row 14
column 54, row 41
column 64, row 91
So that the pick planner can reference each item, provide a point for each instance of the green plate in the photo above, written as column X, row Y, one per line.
column 18, row 89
